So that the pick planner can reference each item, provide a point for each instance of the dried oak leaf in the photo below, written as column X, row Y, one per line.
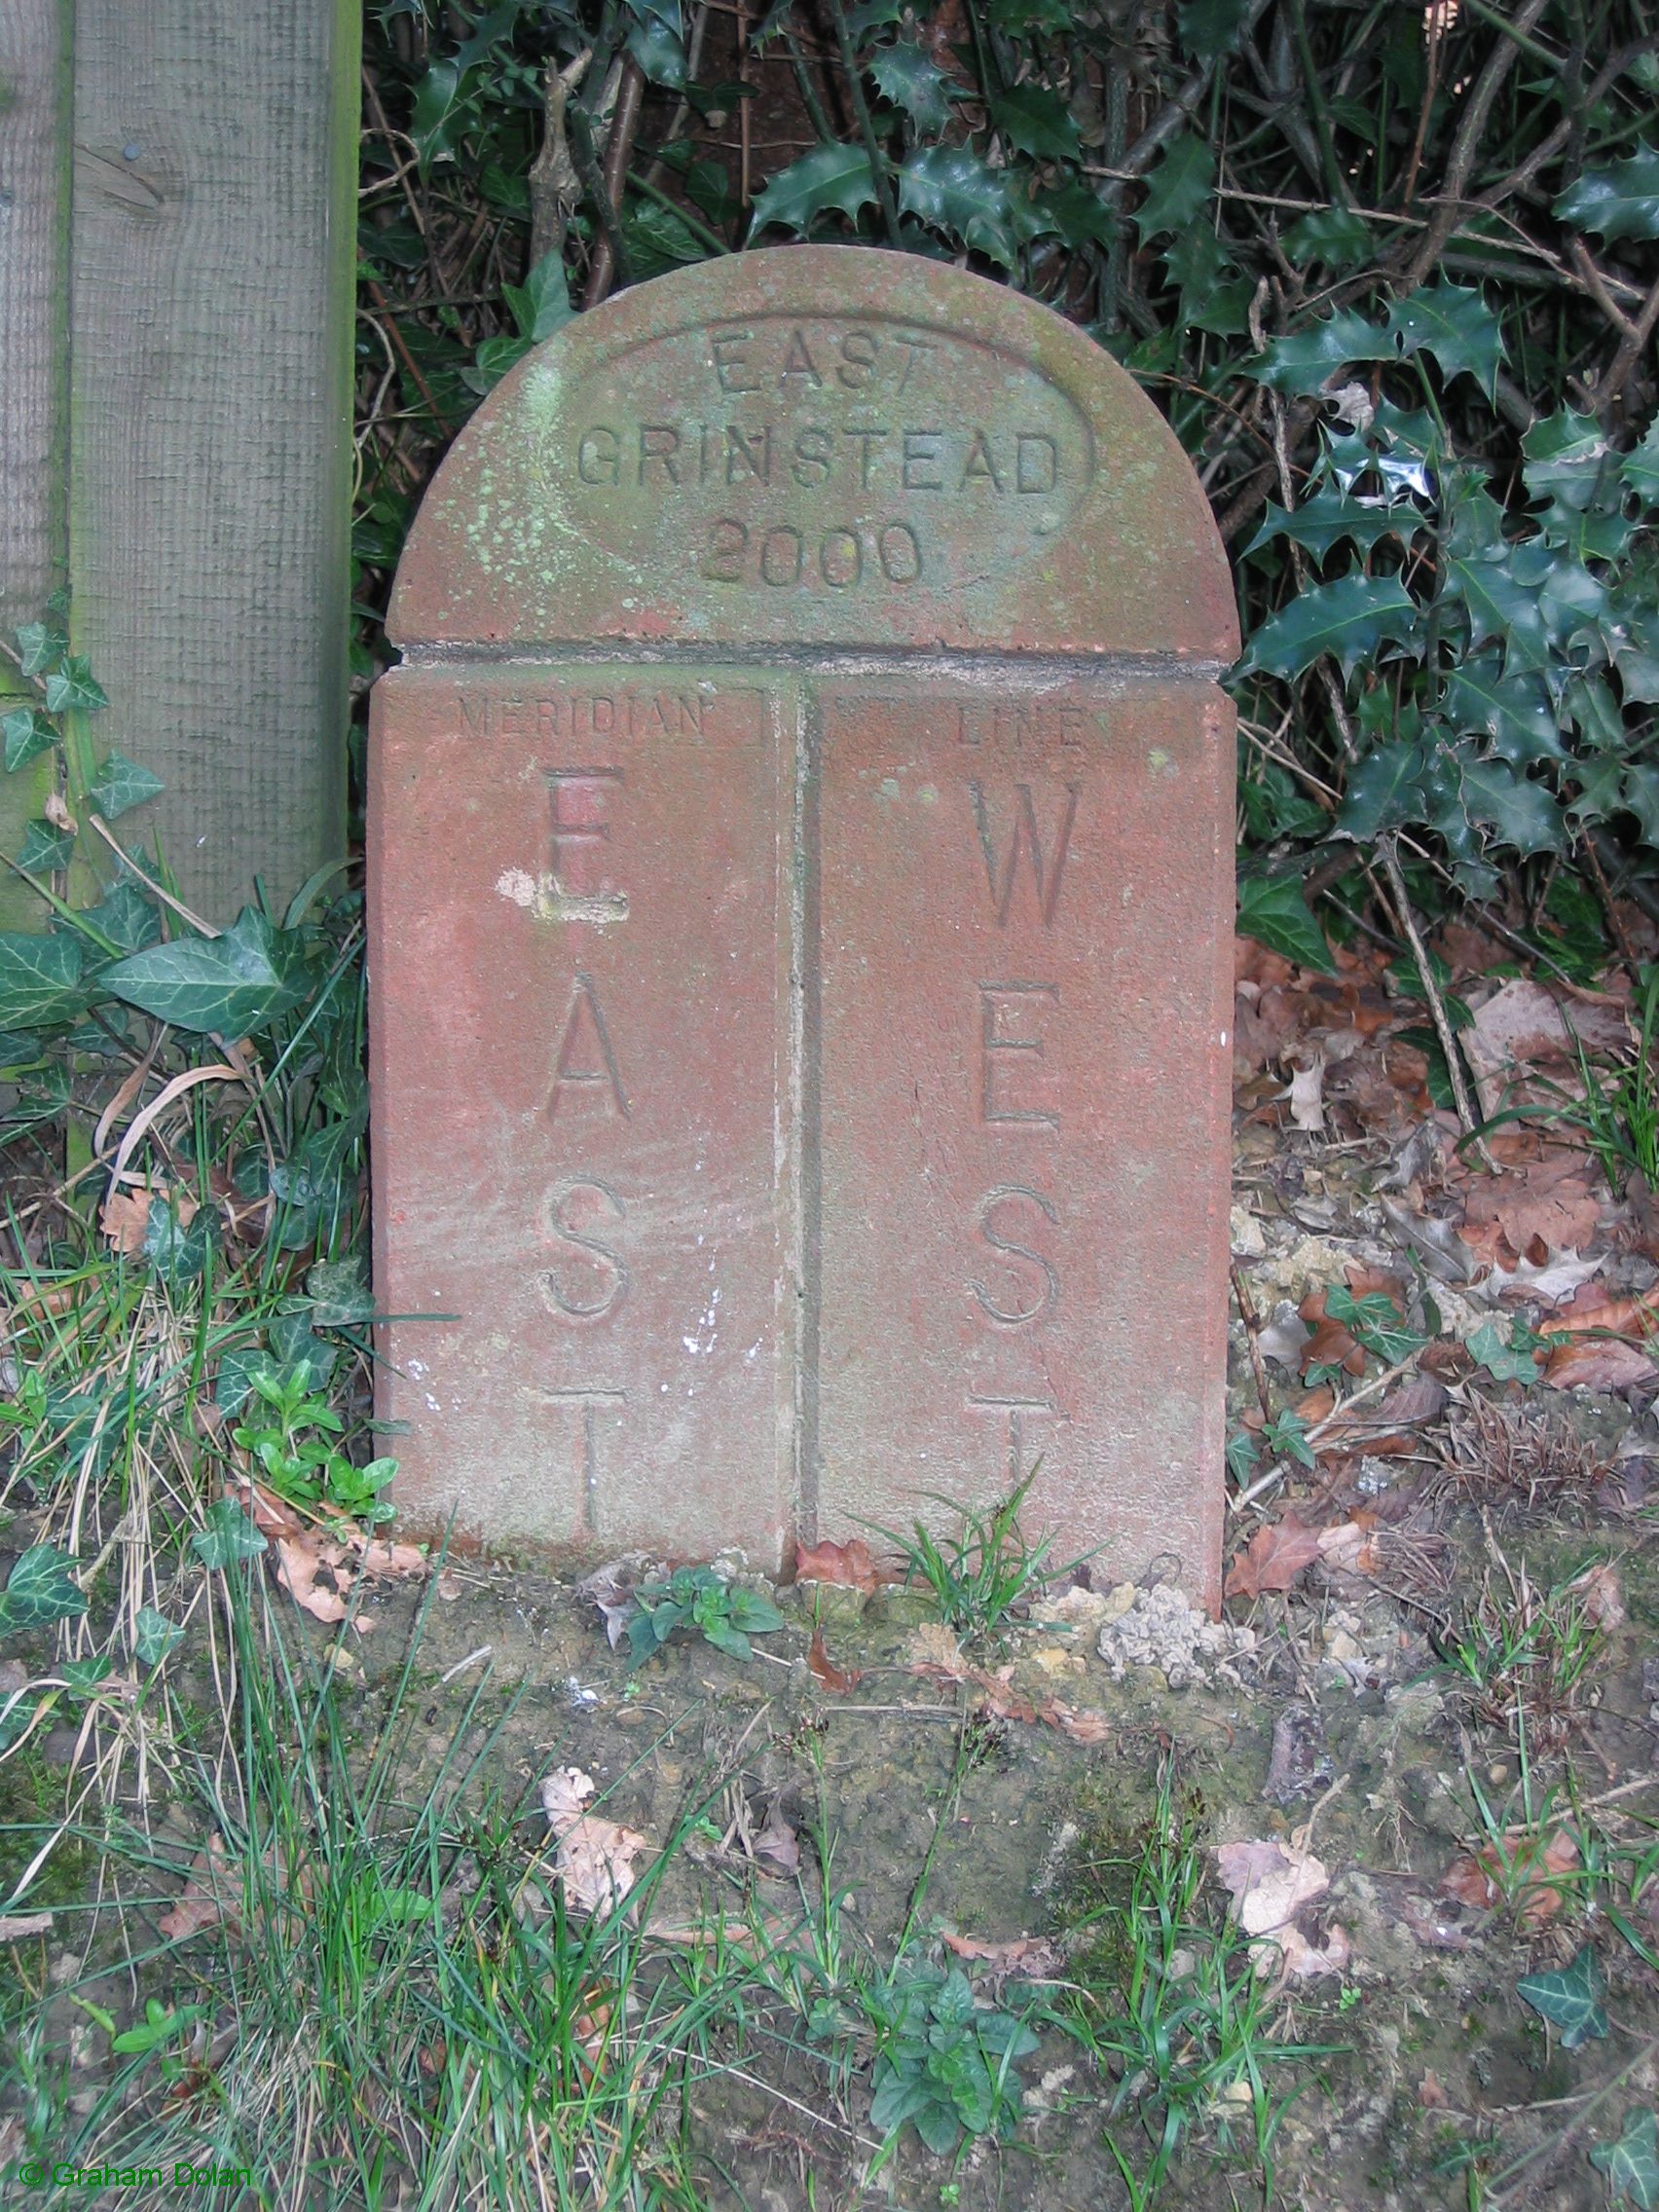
column 1548, row 1200
column 593, row 1858
column 1269, row 1882
column 1597, row 1363
column 1274, row 1558
column 852, row 1564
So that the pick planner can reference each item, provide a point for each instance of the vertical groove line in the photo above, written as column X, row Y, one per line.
column 809, row 743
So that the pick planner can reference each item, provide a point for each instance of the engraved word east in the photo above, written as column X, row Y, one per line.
column 804, row 454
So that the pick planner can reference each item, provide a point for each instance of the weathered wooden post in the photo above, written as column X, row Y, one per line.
column 801, row 846
column 176, row 409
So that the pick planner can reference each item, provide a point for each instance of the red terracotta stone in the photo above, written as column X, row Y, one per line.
column 799, row 898
column 1024, row 1109
column 578, row 968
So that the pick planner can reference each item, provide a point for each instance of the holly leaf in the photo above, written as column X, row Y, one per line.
column 434, row 119
column 1210, row 29
column 1523, row 814
column 1383, row 791
column 659, row 53
column 26, row 732
column 1038, row 122
column 122, row 784
column 1273, row 910
column 1564, row 457
column 1178, row 186
column 829, row 176
column 1570, row 1999
column 1513, row 711
column 228, row 985
column 1641, row 796
column 1334, row 236
column 1306, row 360
column 1620, row 203
column 916, row 84
column 1632, row 2164
column 952, row 189
column 229, row 1535
column 1349, row 620
column 72, row 685
column 1324, row 521
column 1641, row 470
column 40, row 981
column 1454, row 324
column 1501, row 608
column 42, row 1589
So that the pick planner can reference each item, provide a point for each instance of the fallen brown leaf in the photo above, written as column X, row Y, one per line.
column 1431, row 2094
column 297, row 1569
column 1529, row 1865
column 1031, row 1954
column 1274, row 1558
column 838, row 1680
column 1597, row 1363
column 387, row 1562
column 1601, row 1589
column 211, row 1895
column 593, row 1858
column 851, row 1565
column 1082, row 1724
column 778, row 1842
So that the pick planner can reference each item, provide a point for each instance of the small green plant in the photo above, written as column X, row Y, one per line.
column 1525, row 1656
column 696, row 1596
column 1170, row 2005
column 943, row 2062
column 1616, row 1109
column 296, row 1452
column 984, row 1571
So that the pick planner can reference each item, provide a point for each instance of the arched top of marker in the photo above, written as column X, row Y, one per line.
column 819, row 446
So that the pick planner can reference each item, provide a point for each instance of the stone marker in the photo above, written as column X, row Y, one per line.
column 800, row 957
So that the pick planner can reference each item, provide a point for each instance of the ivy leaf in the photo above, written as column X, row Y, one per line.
column 1501, row 608
column 122, row 784
column 1620, row 203
column 1383, row 791
column 72, row 685
column 1038, row 122
column 1324, row 521
column 829, row 176
column 1570, row 1999
column 1177, row 187
column 914, row 82
column 127, row 918
column 42, row 1589
column 1454, row 324
column 1513, row 711
column 46, row 847
column 26, row 731
column 229, row 1535
column 1307, row 359
column 40, row 644
column 952, row 189
column 1349, row 620
column 40, row 981
column 154, row 1636
column 1273, row 910
column 339, row 1298
column 228, row 985
column 1632, row 2164
column 1490, row 1350
column 541, row 304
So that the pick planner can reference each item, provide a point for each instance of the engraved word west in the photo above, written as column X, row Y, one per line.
column 800, row 918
